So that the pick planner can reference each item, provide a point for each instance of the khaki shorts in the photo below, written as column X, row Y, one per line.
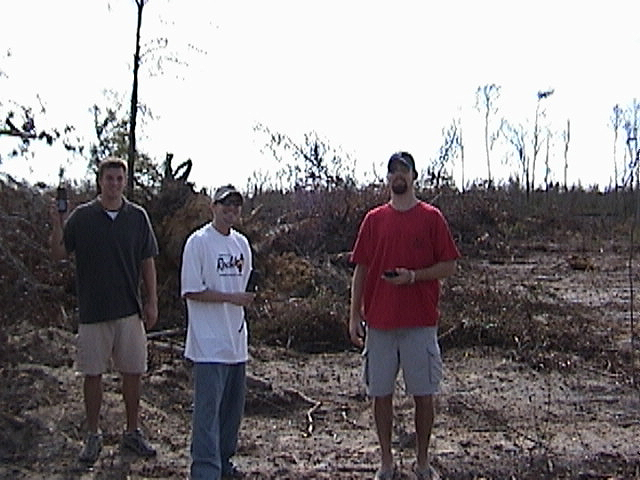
column 415, row 350
column 122, row 341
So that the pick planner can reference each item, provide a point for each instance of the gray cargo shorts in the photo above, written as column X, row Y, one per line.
column 415, row 350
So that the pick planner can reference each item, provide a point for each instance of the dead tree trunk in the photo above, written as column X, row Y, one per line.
column 133, row 115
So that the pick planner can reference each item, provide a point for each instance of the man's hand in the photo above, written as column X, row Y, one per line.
column 356, row 331
column 150, row 314
column 242, row 299
column 56, row 244
column 402, row 276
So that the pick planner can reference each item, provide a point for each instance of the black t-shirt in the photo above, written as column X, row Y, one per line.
column 109, row 253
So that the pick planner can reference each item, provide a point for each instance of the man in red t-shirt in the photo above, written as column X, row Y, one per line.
column 402, row 251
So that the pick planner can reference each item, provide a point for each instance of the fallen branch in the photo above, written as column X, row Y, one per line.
column 315, row 404
column 310, row 413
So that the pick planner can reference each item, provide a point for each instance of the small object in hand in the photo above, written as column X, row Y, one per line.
column 390, row 273
column 364, row 329
column 61, row 199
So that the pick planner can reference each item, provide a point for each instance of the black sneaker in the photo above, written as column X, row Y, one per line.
column 92, row 448
column 136, row 442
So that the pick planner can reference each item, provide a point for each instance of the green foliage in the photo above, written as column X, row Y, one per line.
column 112, row 130
column 111, row 127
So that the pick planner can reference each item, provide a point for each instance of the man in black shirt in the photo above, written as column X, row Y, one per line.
column 114, row 247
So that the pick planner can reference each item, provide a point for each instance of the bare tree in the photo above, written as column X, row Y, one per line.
column 616, row 122
column 437, row 174
column 631, row 123
column 547, row 167
column 516, row 136
column 23, row 126
column 566, row 137
column 486, row 99
column 133, row 115
column 311, row 165
column 540, row 113
column 141, row 52
column 20, row 122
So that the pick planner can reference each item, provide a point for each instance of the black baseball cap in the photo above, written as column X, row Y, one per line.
column 405, row 158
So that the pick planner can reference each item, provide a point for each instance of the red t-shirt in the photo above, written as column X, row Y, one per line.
column 413, row 239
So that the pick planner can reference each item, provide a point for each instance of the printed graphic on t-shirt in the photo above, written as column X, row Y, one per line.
column 230, row 265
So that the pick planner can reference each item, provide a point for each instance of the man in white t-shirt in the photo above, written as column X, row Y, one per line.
column 216, row 264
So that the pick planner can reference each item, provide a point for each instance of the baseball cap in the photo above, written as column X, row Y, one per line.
column 224, row 192
column 406, row 158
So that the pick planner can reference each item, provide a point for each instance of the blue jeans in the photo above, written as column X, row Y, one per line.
column 219, row 395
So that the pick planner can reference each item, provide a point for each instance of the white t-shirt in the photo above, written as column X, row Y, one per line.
column 216, row 332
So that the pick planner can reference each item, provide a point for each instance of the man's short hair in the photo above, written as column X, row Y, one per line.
column 111, row 162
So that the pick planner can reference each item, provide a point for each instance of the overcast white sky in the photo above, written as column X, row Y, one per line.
column 371, row 77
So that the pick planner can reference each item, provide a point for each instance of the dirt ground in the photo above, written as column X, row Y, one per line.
column 307, row 417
